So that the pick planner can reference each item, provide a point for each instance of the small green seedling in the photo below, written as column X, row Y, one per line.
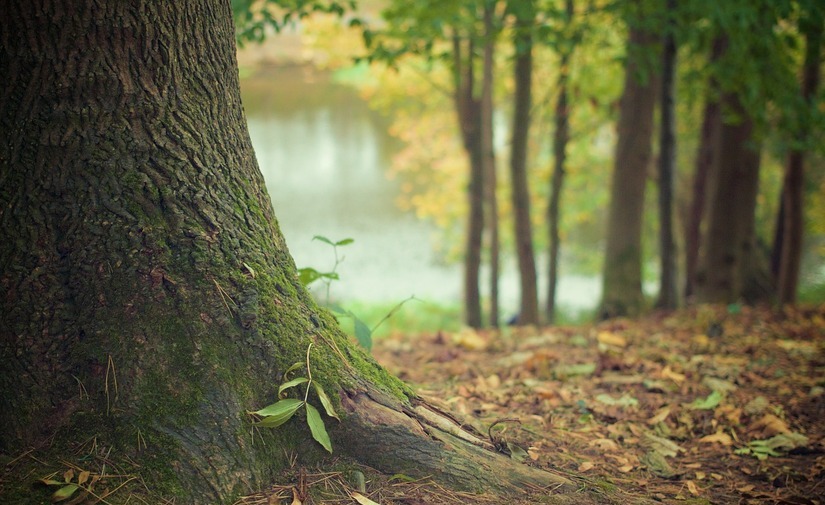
column 282, row 411
column 308, row 275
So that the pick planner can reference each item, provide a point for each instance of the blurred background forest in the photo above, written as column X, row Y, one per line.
column 542, row 161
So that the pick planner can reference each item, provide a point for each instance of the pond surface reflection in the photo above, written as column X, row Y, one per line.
column 325, row 155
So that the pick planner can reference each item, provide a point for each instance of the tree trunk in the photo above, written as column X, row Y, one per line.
column 560, row 140
column 793, row 185
column 622, row 278
column 729, row 252
column 529, row 305
column 489, row 157
column 668, row 298
column 468, row 110
column 148, row 297
column 711, row 119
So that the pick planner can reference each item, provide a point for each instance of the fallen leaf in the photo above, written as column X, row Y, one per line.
column 295, row 499
column 661, row 445
column 624, row 401
column 660, row 416
column 708, row 403
column 770, row 425
column 605, row 444
column 657, row 464
column 721, row 385
column 470, row 340
column 363, row 500
column 587, row 465
column 719, row 437
column 692, row 487
column 676, row 377
column 610, row 338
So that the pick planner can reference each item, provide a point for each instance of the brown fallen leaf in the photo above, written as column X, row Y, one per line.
column 363, row 500
column 610, row 338
column 719, row 437
column 769, row 425
column 660, row 415
column 585, row 466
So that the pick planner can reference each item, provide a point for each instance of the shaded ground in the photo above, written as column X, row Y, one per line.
column 726, row 405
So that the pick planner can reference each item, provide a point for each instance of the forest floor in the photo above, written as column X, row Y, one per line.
column 708, row 405
column 726, row 404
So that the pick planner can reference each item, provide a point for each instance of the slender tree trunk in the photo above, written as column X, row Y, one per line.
column 148, row 298
column 489, row 157
column 560, row 140
column 793, row 185
column 529, row 306
column 622, row 278
column 733, row 185
column 468, row 109
column 711, row 119
column 668, row 298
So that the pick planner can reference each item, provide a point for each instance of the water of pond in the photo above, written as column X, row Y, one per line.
column 324, row 155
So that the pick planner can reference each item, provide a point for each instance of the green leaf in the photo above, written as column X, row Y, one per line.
column 323, row 239
column 516, row 452
column 65, row 492
column 289, row 384
column 363, row 333
column 709, row 403
column 316, row 426
column 279, row 412
column 343, row 242
column 625, row 400
column 295, row 366
column 325, row 401
column 308, row 275
column 51, row 482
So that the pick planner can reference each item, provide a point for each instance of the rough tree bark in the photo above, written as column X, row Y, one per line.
column 520, row 193
column 147, row 297
column 622, row 276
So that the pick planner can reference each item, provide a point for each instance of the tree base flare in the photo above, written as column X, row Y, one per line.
column 424, row 442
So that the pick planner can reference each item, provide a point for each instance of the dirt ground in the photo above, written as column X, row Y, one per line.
column 712, row 404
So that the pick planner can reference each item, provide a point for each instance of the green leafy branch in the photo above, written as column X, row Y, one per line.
column 282, row 411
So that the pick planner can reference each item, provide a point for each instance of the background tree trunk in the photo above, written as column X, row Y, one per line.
column 622, row 277
column 729, row 251
column 489, row 159
column 560, row 140
column 468, row 109
column 529, row 305
column 793, row 218
column 668, row 298
column 704, row 158
column 148, row 298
